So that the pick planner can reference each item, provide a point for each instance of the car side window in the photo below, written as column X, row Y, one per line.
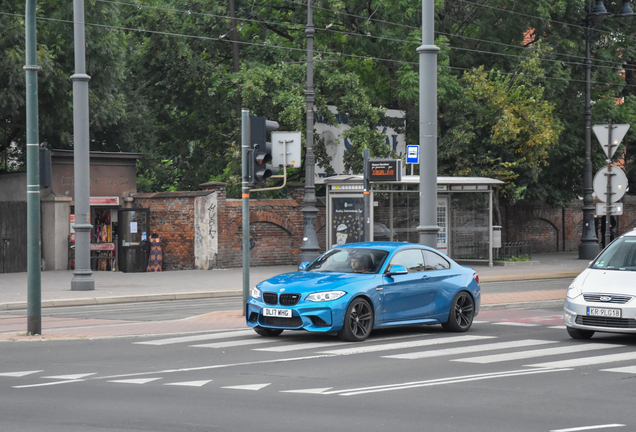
column 435, row 261
column 412, row 259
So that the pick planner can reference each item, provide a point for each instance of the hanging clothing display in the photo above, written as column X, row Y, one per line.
column 156, row 258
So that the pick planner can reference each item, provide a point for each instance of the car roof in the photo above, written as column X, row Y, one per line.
column 387, row 246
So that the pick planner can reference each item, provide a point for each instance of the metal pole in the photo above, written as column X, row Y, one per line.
column 82, row 275
column 608, row 199
column 366, row 201
column 309, row 249
column 245, row 194
column 588, row 249
column 34, row 287
column 428, row 128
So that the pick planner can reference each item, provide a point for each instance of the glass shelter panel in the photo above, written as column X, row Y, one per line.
column 470, row 235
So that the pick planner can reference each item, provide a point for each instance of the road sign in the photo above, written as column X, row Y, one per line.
column 602, row 133
column 618, row 184
column 286, row 149
column 615, row 209
column 413, row 154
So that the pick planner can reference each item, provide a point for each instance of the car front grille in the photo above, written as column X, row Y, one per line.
column 289, row 299
column 282, row 322
column 623, row 323
column 616, row 299
column 270, row 298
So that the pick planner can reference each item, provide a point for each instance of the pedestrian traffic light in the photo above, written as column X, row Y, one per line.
column 261, row 148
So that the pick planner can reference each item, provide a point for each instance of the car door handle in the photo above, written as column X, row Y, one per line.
column 425, row 277
column 379, row 288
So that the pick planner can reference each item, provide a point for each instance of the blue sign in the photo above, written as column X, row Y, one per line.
column 413, row 154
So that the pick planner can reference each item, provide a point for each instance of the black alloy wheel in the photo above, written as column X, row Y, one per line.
column 358, row 321
column 268, row 332
column 461, row 313
column 580, row 334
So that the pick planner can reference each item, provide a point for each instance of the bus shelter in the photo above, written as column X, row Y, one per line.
column 464, row 213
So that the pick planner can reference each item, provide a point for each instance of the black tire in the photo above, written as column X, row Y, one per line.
column 580, row 334
column 268, row 332
column 358, row 321
column 461, row 314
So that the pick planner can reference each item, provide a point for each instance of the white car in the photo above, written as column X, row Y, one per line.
column 602, row 297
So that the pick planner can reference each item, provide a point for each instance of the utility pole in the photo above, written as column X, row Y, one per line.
column 428, row 128
column 82, row 275
column 34, row 282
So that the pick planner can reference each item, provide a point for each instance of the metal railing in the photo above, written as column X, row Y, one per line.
column 508, row 250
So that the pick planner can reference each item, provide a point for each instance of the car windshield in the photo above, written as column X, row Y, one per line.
column 349, row 260
column 620, row 255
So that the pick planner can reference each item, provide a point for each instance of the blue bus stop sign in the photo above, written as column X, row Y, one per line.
column 412, row 154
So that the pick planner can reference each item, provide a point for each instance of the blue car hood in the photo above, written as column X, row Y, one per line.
column 304, row 282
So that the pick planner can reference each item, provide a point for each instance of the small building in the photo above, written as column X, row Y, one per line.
column 464, row 213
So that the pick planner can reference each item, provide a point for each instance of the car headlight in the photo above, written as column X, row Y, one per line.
column 325, row 296
column 573, row 291
column 255, row 293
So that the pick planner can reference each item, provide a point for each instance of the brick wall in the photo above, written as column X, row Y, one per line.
column 276, row 227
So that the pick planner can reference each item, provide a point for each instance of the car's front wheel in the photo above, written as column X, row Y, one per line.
column 461, row 314
column 580, row 334
column 268, row 332
column 358, row 321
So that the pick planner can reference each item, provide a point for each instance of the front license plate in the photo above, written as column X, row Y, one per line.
column 282, row 313
column 603, row 312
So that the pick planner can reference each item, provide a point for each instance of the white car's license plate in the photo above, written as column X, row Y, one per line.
column 283, row 313
column 603, row 312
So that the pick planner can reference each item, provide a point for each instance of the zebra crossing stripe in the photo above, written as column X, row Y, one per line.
column 404, row 345
column 19, row 374
column 495, row 358
column 516, row 324
column 587, row 361
column 468, row 349
column 196, row 338
column 625, row 369
column 235, row 343
column 135, row 381
column 297, row 347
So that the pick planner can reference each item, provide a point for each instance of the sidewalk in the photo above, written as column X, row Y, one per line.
column 117, row 287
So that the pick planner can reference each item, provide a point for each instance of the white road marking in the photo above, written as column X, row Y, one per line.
column 195, row 338
column 19, row 374
column 403, row 345
column 468, row 349
column 481, row 322
column 135, row 381
column 252, row 387
column 235, row 343
column 614, row 425
column 190, row 383
column 440, row 381
column 587, row 361
column 626, row 369
column 70, row 377
column 48, row 384
column 562, row 327
column 515, row 324
column 536, row 353
column 308, row 391
column 298, row 346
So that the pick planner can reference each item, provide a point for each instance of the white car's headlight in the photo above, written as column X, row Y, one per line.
column 325, row 296
column 574, row 291
column 255, row 293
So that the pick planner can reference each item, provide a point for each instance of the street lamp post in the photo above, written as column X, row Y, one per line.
column 309, row 249
column 588, row 249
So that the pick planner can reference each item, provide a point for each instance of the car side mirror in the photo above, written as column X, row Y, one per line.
column 397, row 270
column 303, row 266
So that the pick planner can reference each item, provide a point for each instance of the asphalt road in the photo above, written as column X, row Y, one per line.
column 515, row 370
column 169, row 310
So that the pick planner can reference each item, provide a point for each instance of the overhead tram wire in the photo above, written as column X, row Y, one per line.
column 221, row 39
column 301, row 28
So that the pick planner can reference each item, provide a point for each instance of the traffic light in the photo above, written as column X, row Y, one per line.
column 261, row 149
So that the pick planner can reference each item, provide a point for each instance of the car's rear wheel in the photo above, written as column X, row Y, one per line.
column 461, row 314
column 268, row 332
column 580, row 334
column 358, row 321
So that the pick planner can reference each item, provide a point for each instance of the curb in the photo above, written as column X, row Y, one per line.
column 529, row 276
